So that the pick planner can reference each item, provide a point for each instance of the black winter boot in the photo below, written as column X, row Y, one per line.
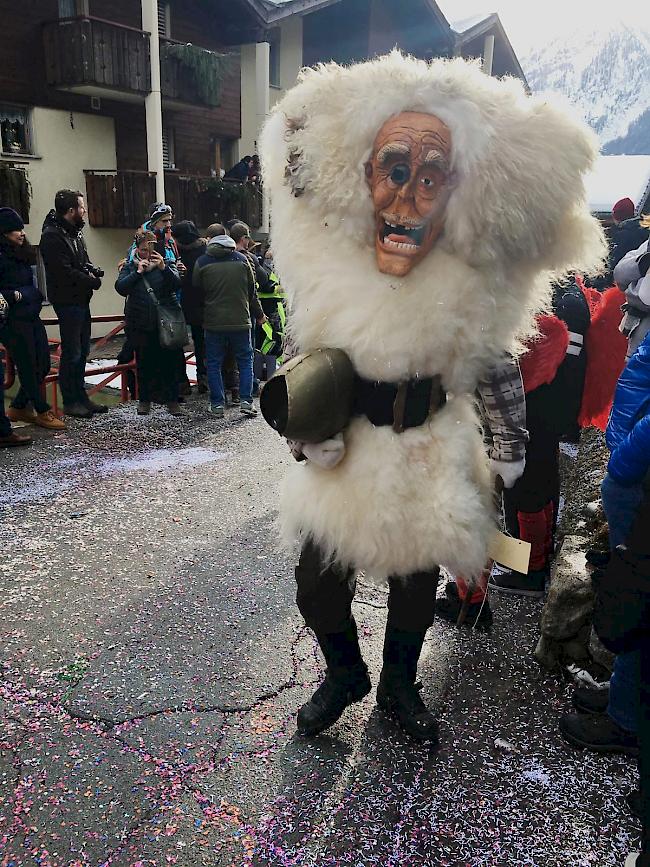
column 346, row 681
column 398, row 694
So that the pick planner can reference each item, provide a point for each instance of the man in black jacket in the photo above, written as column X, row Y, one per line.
column 190, row 248
column 71, row 281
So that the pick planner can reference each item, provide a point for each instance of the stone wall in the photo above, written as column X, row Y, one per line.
column 566, row 633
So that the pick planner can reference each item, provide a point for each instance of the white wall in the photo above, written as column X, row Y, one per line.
column 249, row 131
column 254, row 105
column 68, row 144
column 290, row 56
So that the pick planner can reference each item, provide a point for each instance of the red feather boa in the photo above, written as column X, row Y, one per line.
column 606, row 348
column 545, row 354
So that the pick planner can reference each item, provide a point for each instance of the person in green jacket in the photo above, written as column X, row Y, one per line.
column 230, row 301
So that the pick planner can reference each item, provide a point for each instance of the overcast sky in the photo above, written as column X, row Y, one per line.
column 529, row 22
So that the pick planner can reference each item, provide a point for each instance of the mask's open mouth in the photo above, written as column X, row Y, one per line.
column 400, row 236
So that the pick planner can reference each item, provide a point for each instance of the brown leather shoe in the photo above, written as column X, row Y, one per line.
column 175, row 410
column 14, row 439
column 49, row 421
column 25, row 414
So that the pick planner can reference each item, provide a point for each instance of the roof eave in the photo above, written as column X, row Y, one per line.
column 482, row 28
column 274, row 14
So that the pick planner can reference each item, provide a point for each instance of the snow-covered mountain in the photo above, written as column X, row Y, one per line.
column 606, row 75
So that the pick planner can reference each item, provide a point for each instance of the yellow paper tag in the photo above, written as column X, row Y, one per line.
column 509, row 552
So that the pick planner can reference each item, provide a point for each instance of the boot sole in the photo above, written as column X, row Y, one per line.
column 511, row 591
column 29, row 419
column 584, row 708
column 600, row 748
column 355, row 697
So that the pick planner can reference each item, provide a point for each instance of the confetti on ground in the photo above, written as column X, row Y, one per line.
column 153, row 661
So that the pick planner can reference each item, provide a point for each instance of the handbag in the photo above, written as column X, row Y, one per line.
column 172, row 327
column 4, row 311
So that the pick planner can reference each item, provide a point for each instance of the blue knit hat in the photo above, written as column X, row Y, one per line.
column 10, row 221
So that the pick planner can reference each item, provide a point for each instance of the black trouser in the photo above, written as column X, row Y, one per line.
column 157, row 369
column 181, row 374
column 126, row 356
column 5, row 424
column 325, row 593
column 27, row 343
column 198, row 339
column 74, row 325
column 540, row 482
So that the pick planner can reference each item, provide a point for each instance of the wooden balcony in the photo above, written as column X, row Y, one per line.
column 97, row 57
column 120, row 200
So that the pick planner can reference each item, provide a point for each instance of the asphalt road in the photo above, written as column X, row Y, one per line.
column 153, row 661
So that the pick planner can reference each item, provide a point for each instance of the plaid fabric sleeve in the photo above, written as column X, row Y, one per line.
column 503, row 405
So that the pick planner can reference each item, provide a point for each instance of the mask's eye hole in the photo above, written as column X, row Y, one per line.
column 400, row 174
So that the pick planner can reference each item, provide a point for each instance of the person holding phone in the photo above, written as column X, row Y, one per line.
column 161, row 217
column 145, row 274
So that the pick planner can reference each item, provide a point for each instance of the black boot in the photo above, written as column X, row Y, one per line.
column 346, row 681
column 397, row 693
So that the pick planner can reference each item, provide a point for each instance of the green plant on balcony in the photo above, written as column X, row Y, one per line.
column 229, row 200
column 207, row 68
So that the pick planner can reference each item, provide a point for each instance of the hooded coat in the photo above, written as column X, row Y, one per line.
column 226, row 283
column 401, row 503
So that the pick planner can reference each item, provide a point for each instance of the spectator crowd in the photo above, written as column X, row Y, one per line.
column 175, row 283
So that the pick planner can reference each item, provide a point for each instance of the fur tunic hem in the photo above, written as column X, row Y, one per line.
column 398, row 503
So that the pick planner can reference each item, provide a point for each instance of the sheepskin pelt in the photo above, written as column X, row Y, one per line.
column 516, row 218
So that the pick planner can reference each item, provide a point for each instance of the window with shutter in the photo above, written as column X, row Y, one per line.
column 168, row 148
column 67, row 8
column 164, row 19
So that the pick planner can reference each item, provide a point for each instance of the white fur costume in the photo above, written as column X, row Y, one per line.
column 401, row 503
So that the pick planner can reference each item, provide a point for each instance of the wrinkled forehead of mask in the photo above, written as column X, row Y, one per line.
column 417, row 137
column 410, row 179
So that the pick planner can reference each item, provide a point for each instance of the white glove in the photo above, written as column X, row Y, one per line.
column 327, row 454
column 509, row 471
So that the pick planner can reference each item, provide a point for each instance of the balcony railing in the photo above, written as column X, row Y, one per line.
column 120, row 200
column 93, row 53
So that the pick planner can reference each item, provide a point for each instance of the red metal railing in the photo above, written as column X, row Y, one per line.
column 110, row 371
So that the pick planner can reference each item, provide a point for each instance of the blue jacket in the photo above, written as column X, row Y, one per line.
column 628, row 430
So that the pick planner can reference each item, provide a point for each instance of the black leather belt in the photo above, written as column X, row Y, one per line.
column 401, row 405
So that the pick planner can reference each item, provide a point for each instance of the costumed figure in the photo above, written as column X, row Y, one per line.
column 435, row 206
column 553, row 371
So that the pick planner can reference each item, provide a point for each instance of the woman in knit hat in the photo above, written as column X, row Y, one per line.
column 23, row 334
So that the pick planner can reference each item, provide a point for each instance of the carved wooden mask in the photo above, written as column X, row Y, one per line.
column 410, row 182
